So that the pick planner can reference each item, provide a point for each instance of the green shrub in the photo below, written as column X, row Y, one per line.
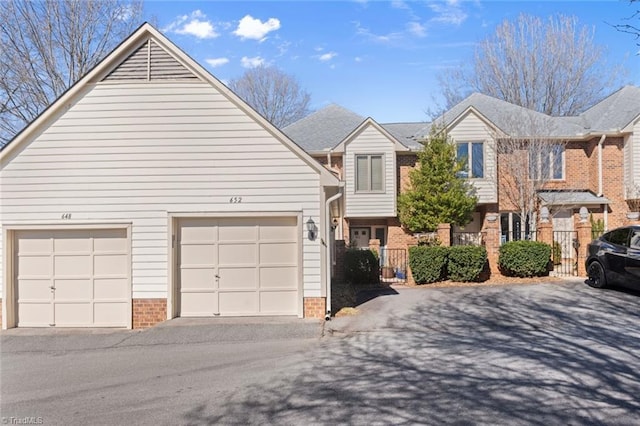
column 557, row 253
column 466, row 263
column 428, row 263
column 524, row 258
column 361, row 267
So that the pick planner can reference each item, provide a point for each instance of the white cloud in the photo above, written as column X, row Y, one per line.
column 449, row 12
column 256, row 61
column 196, row 24
column 217, row 62
column 357, row 59
column 254, row 29
column 417, row 29
column 327, row 56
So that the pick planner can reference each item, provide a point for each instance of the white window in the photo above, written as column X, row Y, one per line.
column 547, row 162
column 369, row 173
column 472, row 156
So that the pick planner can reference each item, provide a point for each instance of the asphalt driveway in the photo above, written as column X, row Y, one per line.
column 539, row 354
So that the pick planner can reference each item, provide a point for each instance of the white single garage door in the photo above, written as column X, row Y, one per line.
column 73, row 278
column 238, row 267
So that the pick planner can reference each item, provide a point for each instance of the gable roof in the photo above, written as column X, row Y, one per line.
column 370, row 122
column 118, row 56
column 614, row 112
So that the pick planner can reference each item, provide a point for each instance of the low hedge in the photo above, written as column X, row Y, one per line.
column 466, row 263
column 361, row 267
column 428, row 263
column 524, row 258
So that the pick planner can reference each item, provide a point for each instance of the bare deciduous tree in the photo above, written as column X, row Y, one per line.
column 630, row 27
column 551, row 66
column 277, row 96
column 47, row 45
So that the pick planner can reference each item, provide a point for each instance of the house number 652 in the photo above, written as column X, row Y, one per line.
column 235, row 200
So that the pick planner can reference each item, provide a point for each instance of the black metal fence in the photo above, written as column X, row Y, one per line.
column 393, row 265
column 564, row 253
column 466, row 239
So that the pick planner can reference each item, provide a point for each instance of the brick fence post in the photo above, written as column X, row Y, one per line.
column 545, row 233
column 444, row 234
column 374, row 245
column 584, row 238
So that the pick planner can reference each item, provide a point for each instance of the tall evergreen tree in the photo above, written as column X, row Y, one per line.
column 438, row 193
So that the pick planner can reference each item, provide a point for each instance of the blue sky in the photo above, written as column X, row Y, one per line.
column 377, row 58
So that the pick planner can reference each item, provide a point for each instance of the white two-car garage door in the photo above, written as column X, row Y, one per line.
column 238, row 267
column 73, row 278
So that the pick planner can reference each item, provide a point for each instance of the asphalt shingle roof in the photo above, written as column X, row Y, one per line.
column 329, row 126
column 324, row 129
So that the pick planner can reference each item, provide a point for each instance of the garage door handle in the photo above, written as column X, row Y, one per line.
column 217, row 277
column 52, row 288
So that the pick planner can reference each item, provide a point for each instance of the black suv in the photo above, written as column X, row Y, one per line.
column 614, row 258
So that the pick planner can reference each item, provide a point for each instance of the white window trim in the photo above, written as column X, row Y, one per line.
column 469, row 144
column 383, row 172
column 550, row 170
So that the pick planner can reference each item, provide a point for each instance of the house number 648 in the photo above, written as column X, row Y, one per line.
column 66, row 215
column 235, row 200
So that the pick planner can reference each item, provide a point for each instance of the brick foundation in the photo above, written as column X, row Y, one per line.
column 149, row 312
column 315, row 307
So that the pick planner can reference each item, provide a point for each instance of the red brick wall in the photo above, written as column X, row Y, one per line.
column 315, row 307
column 149, row 312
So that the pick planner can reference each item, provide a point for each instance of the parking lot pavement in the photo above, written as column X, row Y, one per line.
column 521, row 354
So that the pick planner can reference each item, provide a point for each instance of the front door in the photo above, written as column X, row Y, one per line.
column 360, row 237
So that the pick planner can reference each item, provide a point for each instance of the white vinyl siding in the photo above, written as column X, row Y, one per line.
column 632, row 161
column 136, row 152
column 370, row 143
column 472, row 129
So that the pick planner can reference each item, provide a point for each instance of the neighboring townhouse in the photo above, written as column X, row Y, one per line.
column 591, row 160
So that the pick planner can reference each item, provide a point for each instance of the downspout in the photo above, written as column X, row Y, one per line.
column 329, row 158
column 600, row 181
column 327, row 227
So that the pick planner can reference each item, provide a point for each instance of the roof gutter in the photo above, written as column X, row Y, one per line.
column 327, row 230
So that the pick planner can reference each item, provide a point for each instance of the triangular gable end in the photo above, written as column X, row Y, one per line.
column 128, row 49
column 471, row 110
column 150, row 62
column 399, row 146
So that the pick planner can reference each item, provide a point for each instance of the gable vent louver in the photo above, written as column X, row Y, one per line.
column 150, row 62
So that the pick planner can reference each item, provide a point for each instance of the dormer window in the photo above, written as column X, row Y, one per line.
column 370, row 173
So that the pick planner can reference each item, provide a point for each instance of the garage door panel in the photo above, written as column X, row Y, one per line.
column 278, row 253
column 74, row 243
column 238, row 303
column 106, row 314
column 69, row 289
column 237, row 254
column 279, row 302
column 34, row 314
column 197, row 278
column 110, row 288
column 73, row 314
column 35, row 243
column 278, row 229
column 195, row 230
column 73, row 266
column 198, row 254
column 34, row 266
column 251, row 256
column 199, row 304
column 237, row 278
column 79, row 278
column 110, row 240
column 237, row 230
column 112, row 264
column 279, row 277
column 33, row 289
